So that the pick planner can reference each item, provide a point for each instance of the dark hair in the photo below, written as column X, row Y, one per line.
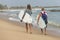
column 29, row 6
column 42, row 9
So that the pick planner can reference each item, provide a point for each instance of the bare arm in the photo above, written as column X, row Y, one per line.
column 38, row 17
column 23, row 16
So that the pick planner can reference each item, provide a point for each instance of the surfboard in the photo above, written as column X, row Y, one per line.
column 21, row 13
column 41, row 23
column 27, row 17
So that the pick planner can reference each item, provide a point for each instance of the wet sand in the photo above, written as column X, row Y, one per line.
column 10, row 30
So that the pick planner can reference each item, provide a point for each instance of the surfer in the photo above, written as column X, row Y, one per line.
column 43, row 15
column 28, row 19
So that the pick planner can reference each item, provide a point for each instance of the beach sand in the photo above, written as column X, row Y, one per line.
column 16, row 31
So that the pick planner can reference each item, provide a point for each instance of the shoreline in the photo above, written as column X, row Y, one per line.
column 16, row 31
column 13, row 29
column 50, row 29
column 18, row 27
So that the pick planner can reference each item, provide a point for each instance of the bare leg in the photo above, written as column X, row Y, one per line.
column 26, row 27
column 45, row 29
column 30, row 27
column 42, row 31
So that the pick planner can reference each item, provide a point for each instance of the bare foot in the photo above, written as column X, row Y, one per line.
column 26, row 31
column 45, row 34
column 30, row 32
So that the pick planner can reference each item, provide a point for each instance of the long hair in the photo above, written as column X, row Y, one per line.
column 29, row 7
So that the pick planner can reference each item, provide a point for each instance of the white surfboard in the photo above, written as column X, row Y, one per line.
column 21, row 14
column 41, row 23
column 27, row 17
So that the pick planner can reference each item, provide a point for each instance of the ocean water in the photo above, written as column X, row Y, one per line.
column 53, row 17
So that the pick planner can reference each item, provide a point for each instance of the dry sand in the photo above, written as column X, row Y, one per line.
column 11, row 31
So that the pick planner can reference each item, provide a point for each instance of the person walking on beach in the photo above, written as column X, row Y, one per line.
column 28, row 19
column 43, row 14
